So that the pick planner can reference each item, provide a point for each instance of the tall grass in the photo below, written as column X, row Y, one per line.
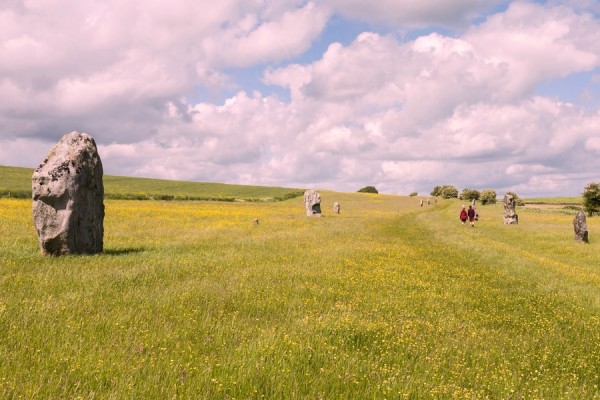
column 385, row 300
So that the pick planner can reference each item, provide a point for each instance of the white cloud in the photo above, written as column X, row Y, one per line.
column 253, row 41
column 535, row 43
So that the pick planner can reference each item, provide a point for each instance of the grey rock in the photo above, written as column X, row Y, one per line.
column 510, row 216
column 312, row 202
column 68, row 198
column 336, row 207
column 580, row 227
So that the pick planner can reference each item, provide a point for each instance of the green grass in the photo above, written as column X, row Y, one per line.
column 15, row 182
column 555, row 200
column 386, row 300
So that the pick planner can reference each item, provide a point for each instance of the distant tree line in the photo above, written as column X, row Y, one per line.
column 591, row 196
column 487, row 196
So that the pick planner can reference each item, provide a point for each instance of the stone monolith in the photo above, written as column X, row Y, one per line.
column 510, row 216
column 336, row 207
column 68, row 198
column 580, row 227
column 312, row 202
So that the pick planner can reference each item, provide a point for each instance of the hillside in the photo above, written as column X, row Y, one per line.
column 16, row 182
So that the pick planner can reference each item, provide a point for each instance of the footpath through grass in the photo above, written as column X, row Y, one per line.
column 386, row 300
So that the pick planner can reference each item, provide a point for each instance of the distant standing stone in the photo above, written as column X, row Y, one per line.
column 510, row 216
column 312, row 202
column 428, row 202
column 336, row 207
column 255, row 222
column 421, row 203
column 580, row 226
column 68, row 197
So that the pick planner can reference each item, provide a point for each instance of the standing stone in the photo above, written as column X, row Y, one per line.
column 510, row 216
column 312, row 202
column 428, row 202
column 336, row 207
column 68, row 197
column 580, row 226
column 421, row 203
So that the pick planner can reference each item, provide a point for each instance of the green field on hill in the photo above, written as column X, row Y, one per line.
column 15, row 182
column 385, row 300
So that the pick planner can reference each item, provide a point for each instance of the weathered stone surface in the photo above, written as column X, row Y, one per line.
column 312, row 202
column 336, row 207
column 580, row 227
column 68, row 197
column 510, row 216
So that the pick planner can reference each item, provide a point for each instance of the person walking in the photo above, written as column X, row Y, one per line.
column 463, row 215
column 471, row 215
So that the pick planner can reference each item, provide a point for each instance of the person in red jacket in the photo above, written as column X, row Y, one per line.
column 471, row 215
column 463, row 215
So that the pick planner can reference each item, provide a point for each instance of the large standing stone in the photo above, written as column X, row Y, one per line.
column 580, row 226
column 312, row 202
column 510, row 216
column 68, row 197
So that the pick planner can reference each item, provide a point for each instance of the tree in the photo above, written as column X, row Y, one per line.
column 591, row 198
column 446, row 191
column 518, row 200
column 469, row 194
column 488, row 196
column 368, row 189
column 449, row 192
column 413, row 194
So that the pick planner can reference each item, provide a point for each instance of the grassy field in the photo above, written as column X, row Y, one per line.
column 569, row 201
column 15, row 182
column 386, row 300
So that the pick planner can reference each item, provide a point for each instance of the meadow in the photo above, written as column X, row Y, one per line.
column 387, row 300
column 15, row 182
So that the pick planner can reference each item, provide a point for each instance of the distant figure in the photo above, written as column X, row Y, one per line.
column 471, row 215
column 463, row 215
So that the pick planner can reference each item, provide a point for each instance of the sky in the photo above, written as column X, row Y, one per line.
column 403, row 95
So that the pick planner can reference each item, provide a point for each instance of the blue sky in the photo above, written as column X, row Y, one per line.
column 326, row 94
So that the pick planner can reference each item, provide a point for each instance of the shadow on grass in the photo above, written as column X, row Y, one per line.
column 123, row 251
